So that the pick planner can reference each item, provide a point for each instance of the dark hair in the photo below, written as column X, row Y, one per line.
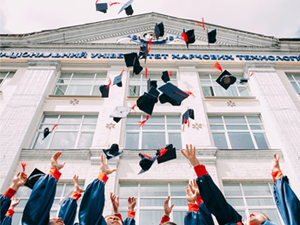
column 168, row 223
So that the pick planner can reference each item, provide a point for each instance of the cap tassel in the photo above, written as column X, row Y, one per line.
column 109, row 83
column 170, row 73
column 23, row 165
column 122, row 72
column 146, row 72
column 133, row 108
column 114, row 3
column 54, row 127
column 218, row 67
column 251, row 74
column 146, row 156
column 188, row 123
column 142, row 123
column 200, row 24
column 189, row 93
column 149, row 45
column 182, row 94
column 162, row 151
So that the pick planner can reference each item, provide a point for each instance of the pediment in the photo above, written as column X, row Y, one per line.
column 137, row 29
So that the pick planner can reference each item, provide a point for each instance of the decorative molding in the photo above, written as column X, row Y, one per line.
column 197, row 126
column 231, row 103
column 74, row 102
column 110, row 125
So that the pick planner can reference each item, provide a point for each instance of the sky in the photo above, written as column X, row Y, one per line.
column 278, row 18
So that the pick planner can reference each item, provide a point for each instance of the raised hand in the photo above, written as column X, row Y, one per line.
column 104, row 166
column 190, row 154
column 194, row 187
column 19, row 180
column 275, row 163
column 115, row 202
column 191, row 197
column 76, row 185
column 167, row 208
column 54, row 163
column 14, row 202
column 131, row 203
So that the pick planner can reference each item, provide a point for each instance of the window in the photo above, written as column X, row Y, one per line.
column 80, row 83
column 138, row 83
column 62, row 190
column 252, row 197
column 5, row 77
column 295, row 81
column 158, row 131
column 238, row 132
column 72, row 132
column 211, row 88
column 150, row 201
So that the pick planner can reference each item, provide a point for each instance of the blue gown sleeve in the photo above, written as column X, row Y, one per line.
column 4, row 206
column 92, row 204
column 129, row 221
column 7, row 220
column 192, row 218
column 286, row 201
column 215, row 201
column 205, row 215
column 67, row 211
column 40, row 201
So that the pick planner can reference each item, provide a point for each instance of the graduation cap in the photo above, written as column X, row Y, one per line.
column 33, row 178
column 127, row 7
column 188, row 37
column 165, row 76
column 47, row 131
column 131, row 59
column 226, row 79
column 143, row 51
column 151, row 83
column 147, row 101
column 102, row 7
column 166, row 154
column 137, row 68
column 243, row 80
column 146, row 162
column 159, row 30
column 212, row 36
column 172, row 94
column 112, row 152
column 185, row 117
column 118, row 79
column 104, row 89
column 120, row 112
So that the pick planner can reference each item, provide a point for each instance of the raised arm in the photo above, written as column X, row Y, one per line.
column 286, row 200
column 42, row 196
column 9, row 214
column 68, row 209
column 210, row 193
column 5, row 199
column 92, row 204
column 167, row 211
column 131, row 213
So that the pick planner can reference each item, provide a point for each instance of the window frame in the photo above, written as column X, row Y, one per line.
column 8, row 73
column 294, row 81
column 138, row 207
column 95, row 83
column 212, row 84
column 140, row 130
column 226, row 132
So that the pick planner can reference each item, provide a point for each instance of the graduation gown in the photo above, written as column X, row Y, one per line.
column 286, row 201
column 8, row 217
column 215, row 201
column 41, row 199
column 68, row 208
column 130, row 218
column 92, row 204
column 5, row 202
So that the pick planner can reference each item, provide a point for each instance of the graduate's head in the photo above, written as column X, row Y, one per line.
column 113, row 220
column 56, row 221
column 256, row 218
column 168, row 223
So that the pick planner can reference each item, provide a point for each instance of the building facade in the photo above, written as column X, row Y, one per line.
column 53, row 77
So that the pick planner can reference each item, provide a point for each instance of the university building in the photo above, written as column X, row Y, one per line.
column 53, row 77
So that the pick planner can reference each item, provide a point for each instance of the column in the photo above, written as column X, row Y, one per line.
column 20, row 113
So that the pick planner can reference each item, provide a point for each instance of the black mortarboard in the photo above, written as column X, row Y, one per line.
column 143, row 51
column 119, row 113
column 147, row 101
column 166, row 154
column 127, row 7
column 46, row 132
column 129, row 58
column 159, row 30
column 151, row 83
column 137, row 68
column 188, row 114
column 146, row 162
column 172, row 94
column 189, row 37
column 33, row 178
column 165, row 76
column 112, row 152
column 118, row 80
column 104, row 89
column 226, row 79
column 102, row 7
column 212, row 36
column 243, row 80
